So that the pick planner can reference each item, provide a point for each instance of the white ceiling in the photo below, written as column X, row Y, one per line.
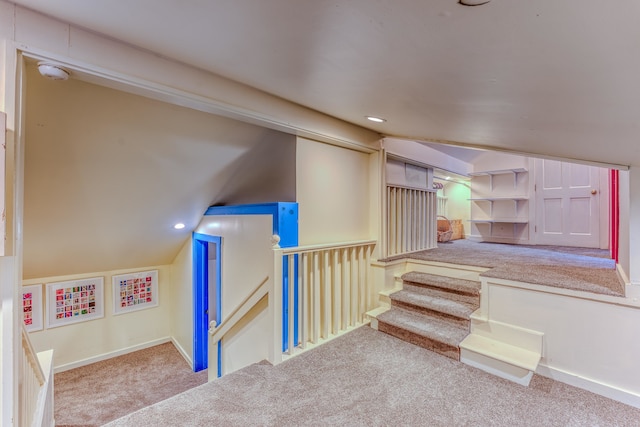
column 546, row 77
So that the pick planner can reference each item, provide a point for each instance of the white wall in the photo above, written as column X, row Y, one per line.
column 247, row 258
column 492, row 160
column 458, row 194
column 634, row 225
column 333, row 193
column 426, row 155
column 86, row 342
column 588, row 343
column 624, row 241
column 3, row 150
column 181, row 300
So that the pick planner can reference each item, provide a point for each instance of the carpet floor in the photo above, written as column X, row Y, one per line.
column 95, row 394
column 368, row 378
column 581, row 269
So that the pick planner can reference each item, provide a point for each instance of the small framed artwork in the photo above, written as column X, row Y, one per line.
column 135, row 291
column 75, row 301
column 32, row 307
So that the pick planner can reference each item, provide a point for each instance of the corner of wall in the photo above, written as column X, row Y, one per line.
column 181, row 304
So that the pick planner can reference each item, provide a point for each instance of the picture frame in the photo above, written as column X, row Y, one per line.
column 135, row 291
column 32, row 308
column 74, row 301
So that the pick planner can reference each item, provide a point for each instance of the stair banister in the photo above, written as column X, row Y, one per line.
column 217, row 332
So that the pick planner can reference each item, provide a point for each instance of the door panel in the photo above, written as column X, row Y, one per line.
column 567, row 204
column 553, row 216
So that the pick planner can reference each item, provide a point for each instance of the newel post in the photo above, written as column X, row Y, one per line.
column 275, row 305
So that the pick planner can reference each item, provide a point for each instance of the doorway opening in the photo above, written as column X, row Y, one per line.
column 207, row 284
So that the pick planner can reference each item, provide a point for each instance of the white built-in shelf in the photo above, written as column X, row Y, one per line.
column 498, row 172
column 498, row 212
column 497, row 199
column 491, row 174
column 501, row 220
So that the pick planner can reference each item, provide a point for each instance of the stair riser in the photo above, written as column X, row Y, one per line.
column 443, row 287
column 441, row 293
column 464, row 322
column 413, row 338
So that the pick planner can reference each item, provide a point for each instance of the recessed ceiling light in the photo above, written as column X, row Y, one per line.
column 375, row 119
column 179, row 226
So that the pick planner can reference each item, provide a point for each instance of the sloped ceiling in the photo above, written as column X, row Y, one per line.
column 108, row 174
column 547, row 77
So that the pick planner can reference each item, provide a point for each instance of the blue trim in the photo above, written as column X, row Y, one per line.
column 285, row 218
column 201, row 298
column 285, row 225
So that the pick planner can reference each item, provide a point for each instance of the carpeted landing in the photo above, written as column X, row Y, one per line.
column 581, row 269
column 95, row 394
column 368, row 378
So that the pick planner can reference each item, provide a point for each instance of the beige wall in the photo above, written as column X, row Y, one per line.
column 86, row 342
column 247, row 259
column 181, row 301
column 333, row 193
column 107, row 170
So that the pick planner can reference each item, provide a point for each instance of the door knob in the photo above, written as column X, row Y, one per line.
column 594, row 191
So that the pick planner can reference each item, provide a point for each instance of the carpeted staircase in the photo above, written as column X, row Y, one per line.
column 431, row 311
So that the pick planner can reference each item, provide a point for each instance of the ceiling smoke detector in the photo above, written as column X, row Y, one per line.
column 52, row 71
column 473, row 2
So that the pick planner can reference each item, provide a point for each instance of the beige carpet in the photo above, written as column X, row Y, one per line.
column 95, row 394
column 581, row 269
column 368, row 378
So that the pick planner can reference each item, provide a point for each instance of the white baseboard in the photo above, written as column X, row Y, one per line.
column 182, row 351
column 594, row 386
column 496, row 367
column 105, row 356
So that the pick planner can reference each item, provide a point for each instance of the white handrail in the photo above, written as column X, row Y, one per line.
column 326, row 246
column 217, row 332
column 33, row 381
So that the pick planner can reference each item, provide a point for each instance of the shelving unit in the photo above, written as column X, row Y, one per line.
column 505, row 205
column 491, row 174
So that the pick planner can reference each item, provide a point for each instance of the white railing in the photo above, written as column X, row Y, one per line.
column 217, row 332
column 411, row 220
column 331, row 290
column 35, row 387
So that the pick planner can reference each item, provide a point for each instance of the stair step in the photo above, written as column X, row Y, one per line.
column 449, row 284
column 432, row 333
column 501, row 351
column 372, row 315
column 473, row 300
column 383, row 296
column 447, row 309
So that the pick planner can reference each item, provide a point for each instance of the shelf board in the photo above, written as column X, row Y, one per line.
column 501, row 220
column 498, row 172
column 496, row 199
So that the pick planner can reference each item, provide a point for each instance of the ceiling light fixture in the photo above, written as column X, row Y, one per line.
column 52, row 71
column 375, row 119
column 473, row 2
column 179, row 226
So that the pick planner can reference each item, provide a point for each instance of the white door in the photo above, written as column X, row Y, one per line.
column 567, row 204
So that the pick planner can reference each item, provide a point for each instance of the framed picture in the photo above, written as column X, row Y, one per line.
column 75, row 301
column 32, row 307
column 135, row 291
